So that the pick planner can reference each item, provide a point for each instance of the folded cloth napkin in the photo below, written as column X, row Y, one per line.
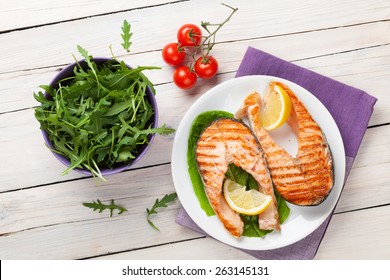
column 351, row 109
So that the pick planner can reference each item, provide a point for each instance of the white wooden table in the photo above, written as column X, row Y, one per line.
column 41, row 212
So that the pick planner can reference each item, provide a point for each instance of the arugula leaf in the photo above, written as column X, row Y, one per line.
column 163, row 130
column 100, row 207
column 126, row 35
column 157, row 204
column 88, row 60
column 238, row 175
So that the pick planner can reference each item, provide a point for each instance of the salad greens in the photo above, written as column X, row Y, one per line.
column 100, row 116
column 158, row 204
column 234, row 173
column 251, row 223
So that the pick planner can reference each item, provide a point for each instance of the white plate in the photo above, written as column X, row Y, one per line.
column 229, row 96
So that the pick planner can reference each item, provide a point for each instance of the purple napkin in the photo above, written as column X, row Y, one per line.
column 351, row 108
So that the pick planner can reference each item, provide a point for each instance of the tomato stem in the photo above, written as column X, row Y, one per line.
column 209, row 41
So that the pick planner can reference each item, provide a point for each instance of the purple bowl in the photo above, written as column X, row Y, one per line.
column 67, row 72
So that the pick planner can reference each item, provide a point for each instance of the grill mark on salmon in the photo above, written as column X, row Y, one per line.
column 307, row 178
column 228, row 141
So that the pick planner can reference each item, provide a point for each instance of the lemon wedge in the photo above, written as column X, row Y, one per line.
column 251, row 202
column 277, row 108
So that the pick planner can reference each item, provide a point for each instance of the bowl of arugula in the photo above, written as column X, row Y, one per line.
column 98, row 115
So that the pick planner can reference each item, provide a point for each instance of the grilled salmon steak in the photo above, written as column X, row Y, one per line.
column 227, row 141
column 307, row 178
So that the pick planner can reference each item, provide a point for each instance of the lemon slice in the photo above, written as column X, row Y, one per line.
column 250, row 202
column 277, row 108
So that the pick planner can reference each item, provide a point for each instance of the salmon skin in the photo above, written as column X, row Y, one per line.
column 307, row 178
column 227, row 141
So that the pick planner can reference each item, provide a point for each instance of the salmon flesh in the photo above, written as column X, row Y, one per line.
column 229, row 141
column 307, row 178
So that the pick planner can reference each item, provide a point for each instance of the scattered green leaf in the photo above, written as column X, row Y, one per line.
column 100, row 207
column 126, row 35
column 157, row 204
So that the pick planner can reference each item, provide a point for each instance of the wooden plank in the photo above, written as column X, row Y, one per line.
column 185, row 250
column 65, row 200
column 358, row 235
column 90, row 238
column 21, row 13
column 365, row 71
column 46, row 45
column 368, row 183
column 50, row 222
column 343, row 240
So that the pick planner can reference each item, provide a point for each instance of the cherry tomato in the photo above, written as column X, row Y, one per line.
column 184, row 78
column 206, row 67
column 173, row 54
column 189, row 35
